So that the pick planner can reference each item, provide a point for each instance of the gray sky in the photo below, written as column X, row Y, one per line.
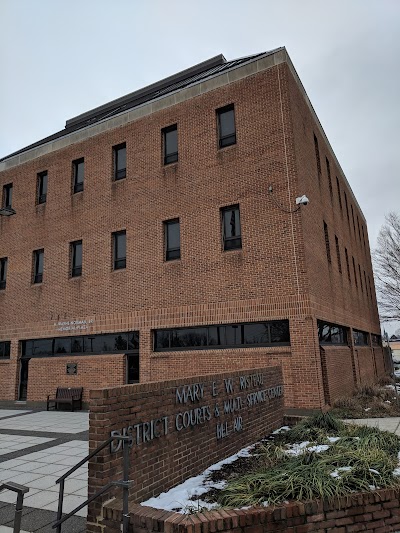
column 61, row 58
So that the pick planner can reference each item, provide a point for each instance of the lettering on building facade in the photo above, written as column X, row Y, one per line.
column 73, row 325
column 199, row 404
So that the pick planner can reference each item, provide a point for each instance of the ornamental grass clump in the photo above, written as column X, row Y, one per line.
column 320, row 458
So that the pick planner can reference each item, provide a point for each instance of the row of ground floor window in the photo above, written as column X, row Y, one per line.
column 270, row 333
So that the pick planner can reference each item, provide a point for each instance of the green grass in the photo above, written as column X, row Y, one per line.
column 275, row 477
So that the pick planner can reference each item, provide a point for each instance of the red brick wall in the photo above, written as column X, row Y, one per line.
column 377, row 512
column 364, row 359
column 163, row 462
column 380, row 361
column 46, row 374
column 281, row 271
column 339, row 379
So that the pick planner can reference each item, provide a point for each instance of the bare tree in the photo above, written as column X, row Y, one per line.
column 387, row 268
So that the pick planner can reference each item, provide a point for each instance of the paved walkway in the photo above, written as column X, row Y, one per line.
column 384, row 424
column 36, row 448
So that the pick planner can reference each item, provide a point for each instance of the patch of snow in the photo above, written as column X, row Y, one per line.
column 318, row 449
column 344, row 468
column 367, row 409
column 333, row 439
column 298, row 449
column 335, row 474
column 374, row 471
column 388, row 401
column 180, row 497
column 396, row 472
column 283, row 428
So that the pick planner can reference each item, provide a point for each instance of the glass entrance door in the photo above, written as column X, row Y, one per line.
column 132, row 368
column 23, row 381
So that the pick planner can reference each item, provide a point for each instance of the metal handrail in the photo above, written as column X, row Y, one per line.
column 21, row 490
column 123, row 483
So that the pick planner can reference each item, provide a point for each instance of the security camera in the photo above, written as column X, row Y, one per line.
column 302, row 200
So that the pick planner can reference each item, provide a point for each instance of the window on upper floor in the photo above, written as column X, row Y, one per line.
column 119, row 157
column 78, row 170
column 355, row 272
column 170, row 144
column 338, row 254
column 317, row 156
column 119, row 250
column 360, row 338
column 38, row 260
column 76, row 259
column 231, row 230
column 331, row 333
column 3, row 272
column 41, row 188
column 5, row 349
column 347, row 264
column 7, row 195
column 327, row 243
column 172, row 239
column 328, row 171
column 226, row 126
column 339, row 194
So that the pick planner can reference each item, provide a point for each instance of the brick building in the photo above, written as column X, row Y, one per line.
column 158, row 236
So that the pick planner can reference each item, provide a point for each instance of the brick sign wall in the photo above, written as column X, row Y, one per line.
column 178, row 428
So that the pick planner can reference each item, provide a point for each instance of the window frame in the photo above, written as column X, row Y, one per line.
column 5, row 350
column 230, row 139
column 118, row 263
column 226, row 240
column 118, row 173
column 75, row 270
column 343, row 331
column 171, row 253
column 3, row 273
column 37, row 277
column 78, row 186
column 170, row 157
column 41, row 197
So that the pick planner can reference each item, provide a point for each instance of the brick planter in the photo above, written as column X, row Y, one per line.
column 377, row 512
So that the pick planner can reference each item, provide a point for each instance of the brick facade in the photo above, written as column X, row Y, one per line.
column 281, row 272
column 182, row 443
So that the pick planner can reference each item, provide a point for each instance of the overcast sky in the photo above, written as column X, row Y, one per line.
column 61, row 58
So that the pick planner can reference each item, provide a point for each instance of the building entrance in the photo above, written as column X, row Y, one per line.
column 23, row 380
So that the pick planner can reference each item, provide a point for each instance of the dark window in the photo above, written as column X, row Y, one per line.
column 227, row 336
column 3, row 272
column 85, row 344
column 119, row 153
column 7, row 195
column 366, row 285
column 172, row 235
column 226, row 126
column 76, row 259
column 38, row 258
column 78, row 167
column 170, row 142
column 376, row 340
column 354, row 225
column 5, row 349
column 355, row 272
column 328, row 170
column 317, row 157
column 360, row 338
column 347, row 264
column 338, row 254
column 231, row 231
column 331, row 333
column 370, row 289
column 361, row 280
column 359, row 232
column 338, row 192
column 327, row 244
column 42, row 187
column 347, row 208
column 119, row 249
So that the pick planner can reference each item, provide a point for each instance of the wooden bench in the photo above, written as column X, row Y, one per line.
column 70, row 396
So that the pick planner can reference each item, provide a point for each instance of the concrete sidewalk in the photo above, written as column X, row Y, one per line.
column 391, row 424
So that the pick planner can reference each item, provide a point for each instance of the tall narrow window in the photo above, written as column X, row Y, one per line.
column 42, row 187
column 355, row 271
column 359, row 232
column 119, row 156
column 361, row 280
column 3, row 272
column 231, row 230
column 338, row 254
column 119, row 249
column 38, row 259
column 76, row 259
column 339, row 195
column 370, row 289
column 226, row 126
column 172, row 236
column 328, row 170
column 347, row 264
column 327, row 244
column 7, row 195
column 354, row 225
column 347, row 208
column 78, row 168
column 363, row 233
column 366, row 285
column 170, row 142
column 317, row 157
